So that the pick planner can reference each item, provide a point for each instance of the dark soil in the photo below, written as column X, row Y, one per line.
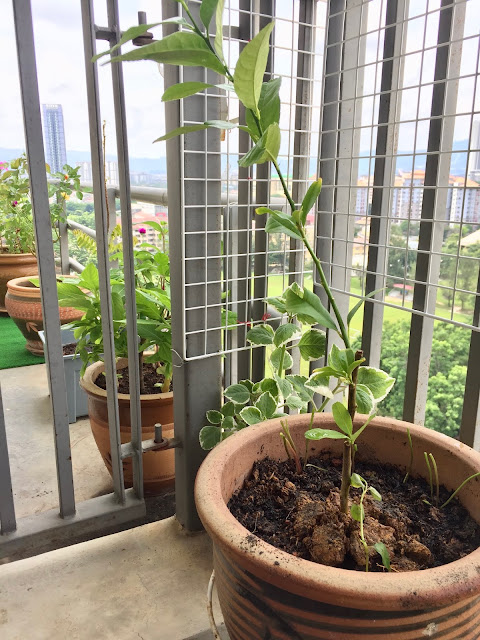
column 299, row 513
column 150, row 377
column 69, row 349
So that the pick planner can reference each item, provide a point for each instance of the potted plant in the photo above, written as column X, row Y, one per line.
column 17, row 237
column 335, row 560
column 155, row 357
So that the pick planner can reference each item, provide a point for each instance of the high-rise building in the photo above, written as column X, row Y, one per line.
column 474, row 159
column 54, row 136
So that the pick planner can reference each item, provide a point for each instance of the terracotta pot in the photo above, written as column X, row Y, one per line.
column 24, row 306
column 14, row 265
column 158, row 466
column 267, row 593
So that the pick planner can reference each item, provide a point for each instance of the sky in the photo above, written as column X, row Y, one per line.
column 60, row 65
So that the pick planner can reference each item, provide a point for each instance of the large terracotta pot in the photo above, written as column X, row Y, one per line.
column 158, row 466
column 14, row 265
column 267, row 593
column 24, row 306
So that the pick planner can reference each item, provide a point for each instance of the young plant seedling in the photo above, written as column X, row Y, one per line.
column 357, row 511
column 410, row 464
column 383, row 551
column 472, row 477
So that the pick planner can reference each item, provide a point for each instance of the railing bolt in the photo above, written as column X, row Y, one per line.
column 145, row 38
column 158, row 433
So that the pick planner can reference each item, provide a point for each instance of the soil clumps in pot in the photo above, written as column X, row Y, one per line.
column 153, row 380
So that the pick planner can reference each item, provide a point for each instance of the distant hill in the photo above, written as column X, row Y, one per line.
column 159, row 165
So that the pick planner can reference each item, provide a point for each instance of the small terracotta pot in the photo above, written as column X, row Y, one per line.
column 268, row 593
column 158, row 466
column 24, row 306
column 14, row 265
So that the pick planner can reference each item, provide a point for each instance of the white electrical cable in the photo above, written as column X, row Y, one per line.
column 213, row 625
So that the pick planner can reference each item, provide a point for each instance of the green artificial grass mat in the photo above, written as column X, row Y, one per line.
column 12, row 346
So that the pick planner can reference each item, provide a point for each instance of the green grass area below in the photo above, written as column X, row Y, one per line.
column 12, row 346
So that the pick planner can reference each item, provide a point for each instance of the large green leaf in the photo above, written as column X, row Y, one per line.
column 251, row 415
column 89, row 278
column 298, row 383
column 209, row 437
column 118, row 310
column 237, row 393
column 69, row 295
column 342, row 418
column 310, row 198
column 261, row 334
column 266, row 404
column 312, row 344
column 307, row 306
column 268, row 384
column 285, row 387
column 215, row 417
column 285, row 333
column 265, row 149
column 365, row 399
column 275, row 358
column 268, row 106
column 277, row 303
column 180, row 48
column 207, row 9
column 250, row 69
column 184, row 89
column 341, row 359
column 279, row 222
column 376, row 380
column 319, row 383
column 218, row 42
column 294, row 402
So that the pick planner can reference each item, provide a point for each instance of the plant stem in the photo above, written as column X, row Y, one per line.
column 346, row 475
column 475, row 475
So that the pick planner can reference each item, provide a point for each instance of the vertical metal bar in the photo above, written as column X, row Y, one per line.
column 128, row 253
column 63, row 242
column 384, row 169
column 448, row 60
column 7, row 508
column 469, row 431
column 43, row 238
column 197, row 382
column 101, row 225
column 327, row 164
column 307, row 17
column 245, row 190
column 262, row 197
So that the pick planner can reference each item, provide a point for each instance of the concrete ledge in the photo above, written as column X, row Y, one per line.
column 148, row 583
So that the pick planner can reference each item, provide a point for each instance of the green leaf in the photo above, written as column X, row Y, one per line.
column 320, row 434
column 365, row 399
column 383, row 551
column 228, row 409
column 342, row 418
column 268, row 384
column 357, row 512
column 375, row 494
column 363, row 427
column 261, row 334
column 275, row 358
column 376, row 380
column 129, row 34
column 184, row 89
column 251, row 415
column 277, row 303
column 354, row 309
column 215, row 417
column 341, row 359
column 318, row 382
column 279, row 222
column 284, row 386
column 247, row 383
column 298, row 383
column 310, row 199
column 357, row 481
column 118, row 310
column 237, row 393
column 89, row 278
column 250, row 69
column 266, row 148
column 266, row 404
column 209, row 437
column 218, row 42
column 207, row 9
column 69, row 295
column 268, row 106
column 294, row 402
column 180, row 48
column 181, row 130
column 228, row 424
column 307, row 306
column 312, row 344
column 284, row 333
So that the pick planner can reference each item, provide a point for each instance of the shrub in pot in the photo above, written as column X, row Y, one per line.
column 155, row 359
column 266, row 592
column 17, row 236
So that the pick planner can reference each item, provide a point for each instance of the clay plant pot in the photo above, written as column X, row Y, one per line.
column 268, row 593
column 158, row 466
column 14, row 265
column 24, row 306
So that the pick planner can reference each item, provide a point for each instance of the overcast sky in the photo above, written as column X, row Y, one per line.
column 60, row 65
